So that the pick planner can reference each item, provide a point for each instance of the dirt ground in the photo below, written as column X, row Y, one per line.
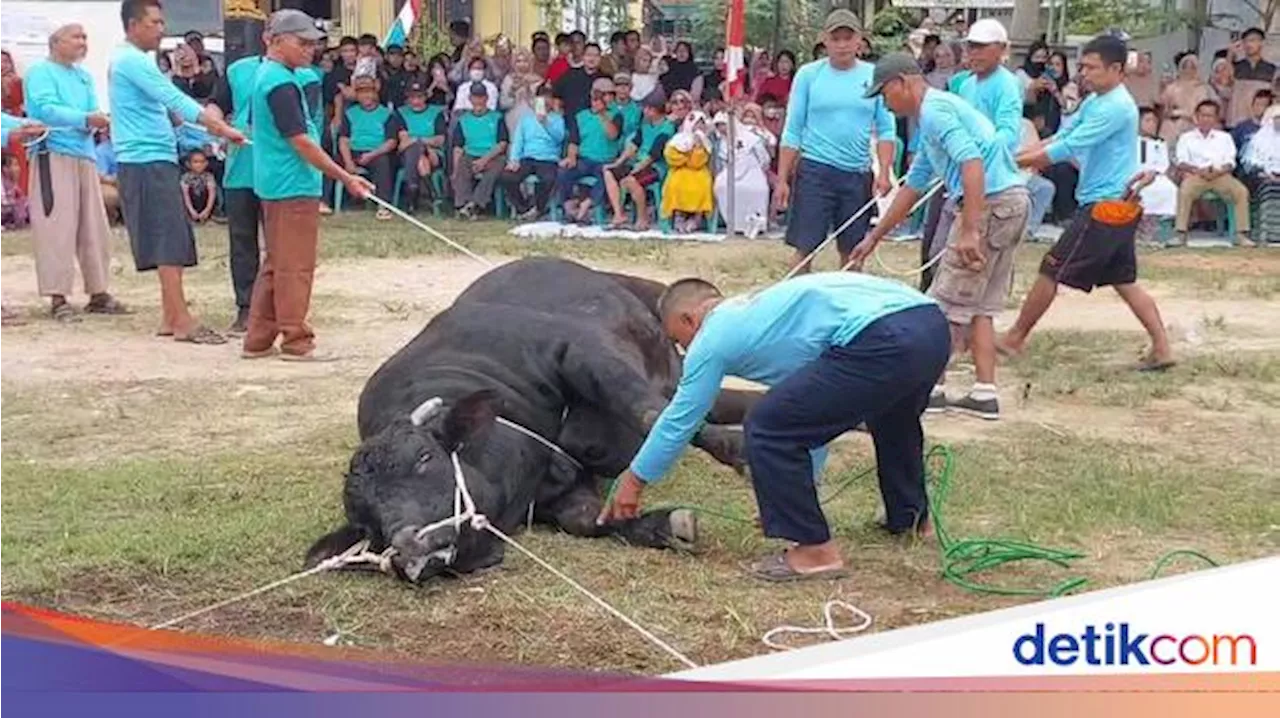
column 147, row 477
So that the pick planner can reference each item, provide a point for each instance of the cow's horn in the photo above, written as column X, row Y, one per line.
column 425, row 410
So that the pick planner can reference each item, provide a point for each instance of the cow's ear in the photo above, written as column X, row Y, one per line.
column 467, row 417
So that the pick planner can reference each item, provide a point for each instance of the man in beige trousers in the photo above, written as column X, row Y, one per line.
column 68, row 218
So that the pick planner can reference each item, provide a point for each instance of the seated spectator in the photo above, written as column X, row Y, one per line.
column 593, row 143
column 16, row 203
column 479, row 142
column 541, row 47
column 625, row 105
column 1244, row 129
column 1206, row 156
column 1262, row 164
column 105, row 158
column 439, row 91
column 644, row 74
column 477, row 74
column 422, row 131
column 199, row 190
column 1160, row 198
column 367, row 139
column 515, row 97
column 395, row 77
column 687, row 193
column 1041, row 189
column 641, row 164
column 535, row 150
column 749, row 182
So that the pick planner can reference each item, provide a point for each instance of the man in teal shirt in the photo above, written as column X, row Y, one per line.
column 836, row 349
column 143, row 103
column 641, row 164
column 367, row 140
column 287, row 166
column 963, row 148
column 593, row 144
column 826, row 144
column 479, row 143
column 68, row 217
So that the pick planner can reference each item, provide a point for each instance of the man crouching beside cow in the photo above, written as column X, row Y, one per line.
column 585, row 360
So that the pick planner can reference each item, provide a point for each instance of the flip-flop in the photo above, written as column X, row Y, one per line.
column 201, row 335
column 111, row 306
column 1154, row 365
column 64, row 313
column 776, row 569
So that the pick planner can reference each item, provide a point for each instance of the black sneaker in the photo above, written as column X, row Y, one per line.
column 988, row 409
column 937, row 403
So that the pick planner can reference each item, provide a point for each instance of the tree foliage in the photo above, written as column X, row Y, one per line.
column 800, row 27
column 1139, row 18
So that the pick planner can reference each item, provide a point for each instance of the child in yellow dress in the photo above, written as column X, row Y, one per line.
column 687, row 192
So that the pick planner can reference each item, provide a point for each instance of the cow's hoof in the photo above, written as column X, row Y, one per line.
column 684, row 528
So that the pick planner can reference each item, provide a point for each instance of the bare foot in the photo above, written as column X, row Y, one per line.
column 1008, row 346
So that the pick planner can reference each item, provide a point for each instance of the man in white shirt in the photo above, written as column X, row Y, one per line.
column 1206, row 156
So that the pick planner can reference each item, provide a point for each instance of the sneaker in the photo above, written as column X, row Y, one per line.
column 983, row 408
column 1245, row 242
column 937, row 403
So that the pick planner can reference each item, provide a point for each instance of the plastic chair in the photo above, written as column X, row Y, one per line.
column 339, row 190
column 1227, row 211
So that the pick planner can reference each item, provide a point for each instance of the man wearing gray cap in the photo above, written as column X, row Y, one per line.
column 826, row 141
column 287, row 166
column 960, row 145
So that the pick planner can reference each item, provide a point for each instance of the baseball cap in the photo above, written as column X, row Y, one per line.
column 891, row 67
column 987, row 31
column 417, row 88
column 395, row 48
column 479, row 90
column 294, row 22
column 842, row 18
column 602, row 84
column 622, row 78
column 656, row 99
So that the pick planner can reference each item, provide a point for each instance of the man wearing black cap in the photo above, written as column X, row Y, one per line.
column 394, row 76
column 423, row 128
column 479, row 142
column 826, row 141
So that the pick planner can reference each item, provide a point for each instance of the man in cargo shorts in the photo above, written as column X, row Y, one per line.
column 975, row 274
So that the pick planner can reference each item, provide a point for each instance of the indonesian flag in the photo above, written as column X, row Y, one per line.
column 398, row 33
column 735, row 64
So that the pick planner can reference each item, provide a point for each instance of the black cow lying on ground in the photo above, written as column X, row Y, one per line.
column 575, row 355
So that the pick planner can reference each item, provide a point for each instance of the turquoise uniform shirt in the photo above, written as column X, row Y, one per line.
column 538, row 141
column 650, row 140
column 279, row 172
column 477, row 135
column 998, row 96
column 953, row 132
column 767, row 337
column 141, row 100
column 587, row 131
column 829, row 119
column 61, row 96
column 631, row 115
column 423, row 124
column 367, row 128
column 1102, row 139
column 237, row 92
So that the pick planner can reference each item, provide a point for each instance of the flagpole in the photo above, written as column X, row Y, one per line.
column 735, row 65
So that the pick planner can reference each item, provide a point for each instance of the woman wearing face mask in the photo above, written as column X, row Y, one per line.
column 460, row 71
column 1040, row 99
column 477, row 72
column 1181, row 96
column 518, row 88
column 1262, row 162
column 644, row 79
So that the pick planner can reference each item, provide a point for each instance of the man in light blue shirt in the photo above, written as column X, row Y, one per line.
column 960, row 145
column 144, row 104
column 68, row 217
column 826, row 144
column 836, row 349
column 1097, row 248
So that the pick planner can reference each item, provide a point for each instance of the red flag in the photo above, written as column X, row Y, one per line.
column 734, row 56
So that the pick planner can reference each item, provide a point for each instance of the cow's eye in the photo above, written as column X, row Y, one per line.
column 421, row 466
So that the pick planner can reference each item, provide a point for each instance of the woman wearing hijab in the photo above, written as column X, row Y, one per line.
column 1262, row 162
column 1181, row 96
column 778, row 84
column 1041, row 99
column 14, row 105
column 711, row 83
column 1222, row 80
column 749, row 182
column 1160, row 198
column 503, row 60
column 644, row 78
column 687, row 191
column 946, row 62
column 518, row 88
column 759, row 71
column 681, row 70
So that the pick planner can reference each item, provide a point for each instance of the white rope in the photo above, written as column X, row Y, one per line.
column 45, row 134
column 828, row 628
column 414, row 221
column 538, row 438
column 831, row 237
column 922, row 268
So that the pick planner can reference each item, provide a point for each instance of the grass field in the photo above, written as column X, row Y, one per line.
column 145, row 478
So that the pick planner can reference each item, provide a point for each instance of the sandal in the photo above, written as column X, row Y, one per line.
column 776, row 569
column 383, row 215
column 64, row 312
column 201, row 335
column 110, row 305
column 1151, row 364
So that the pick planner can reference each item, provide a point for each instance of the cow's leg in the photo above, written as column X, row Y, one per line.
column 733, row 405
column 576, row 514
column 602, row 375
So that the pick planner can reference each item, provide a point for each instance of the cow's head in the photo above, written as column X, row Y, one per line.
column 403, row 479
